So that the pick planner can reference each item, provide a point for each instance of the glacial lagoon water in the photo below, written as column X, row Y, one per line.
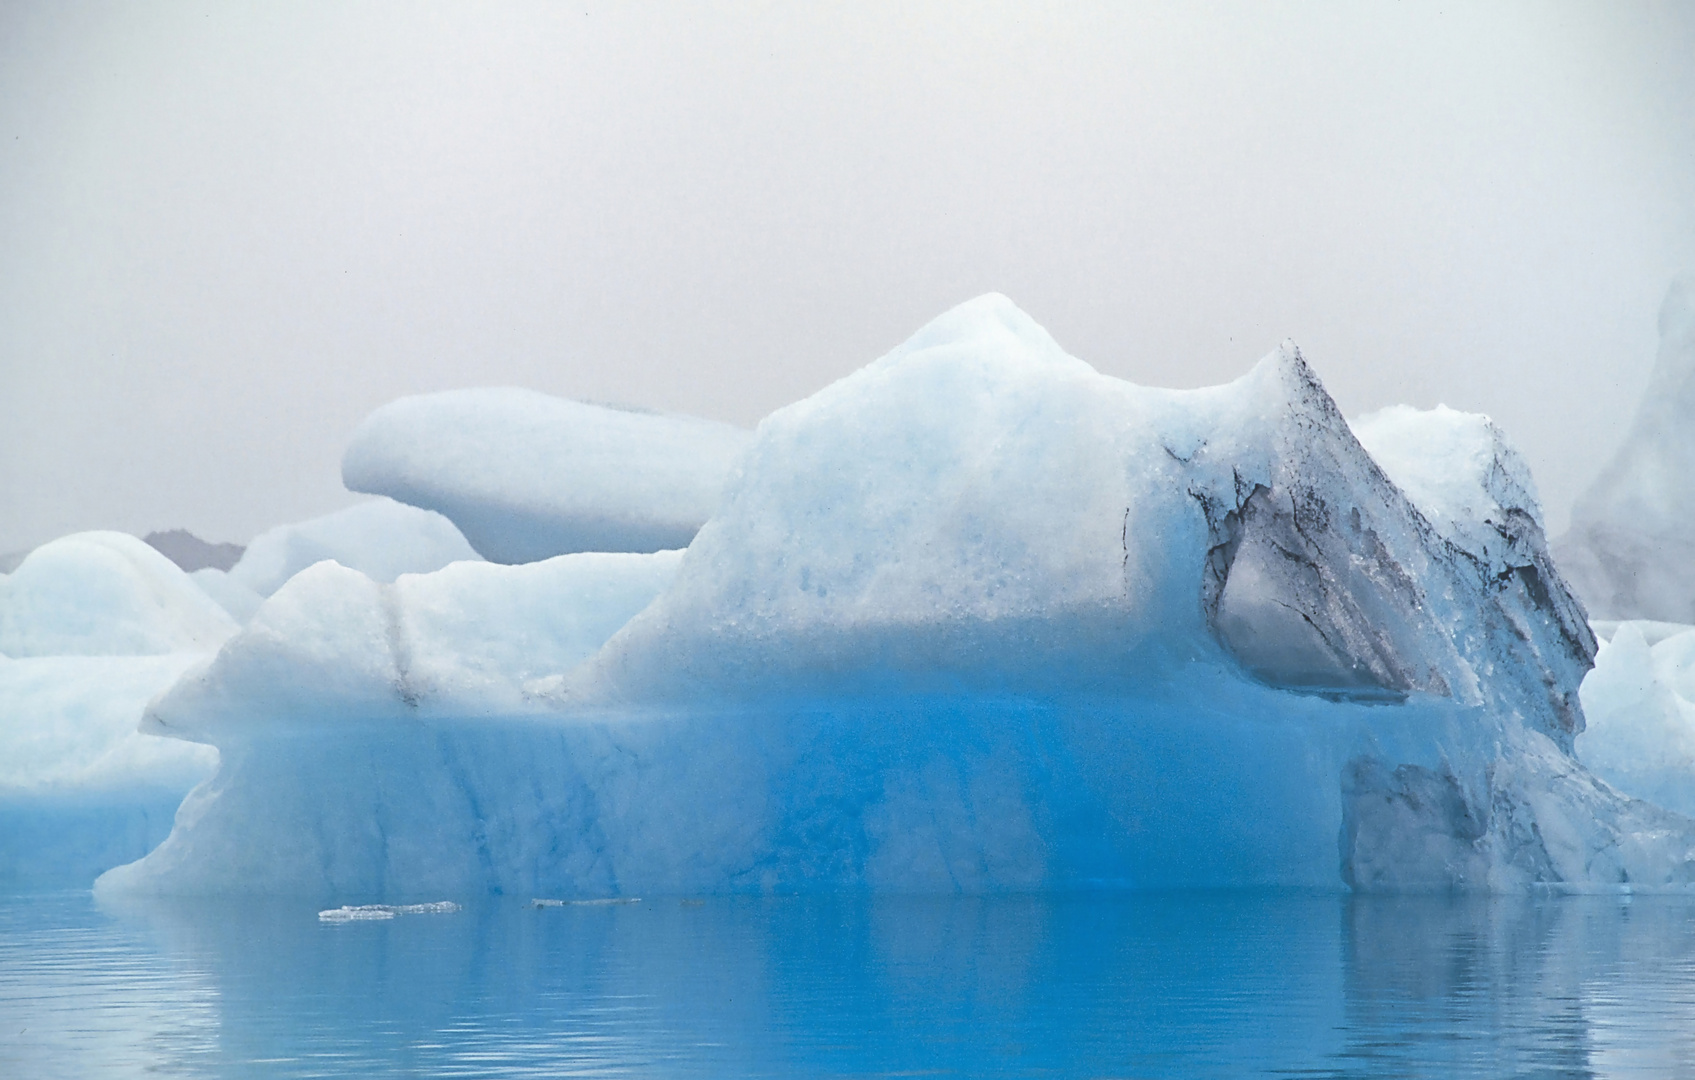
column 1161, row 985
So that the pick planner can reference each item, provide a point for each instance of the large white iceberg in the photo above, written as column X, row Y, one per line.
column 1630, row 553
column 973, row 618
column 382, row 539
column 526, row 476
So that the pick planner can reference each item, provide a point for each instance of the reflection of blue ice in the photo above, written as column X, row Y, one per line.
column 1179, row 984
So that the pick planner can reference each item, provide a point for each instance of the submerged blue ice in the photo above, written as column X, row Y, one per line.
column 975, row 618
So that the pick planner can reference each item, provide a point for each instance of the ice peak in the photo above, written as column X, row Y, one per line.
column 990, row 322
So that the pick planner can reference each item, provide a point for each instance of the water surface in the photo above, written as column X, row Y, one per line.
column 1181, row 985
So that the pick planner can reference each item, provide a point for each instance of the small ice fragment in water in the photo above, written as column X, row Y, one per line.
column 386, row 911
column 538, row 903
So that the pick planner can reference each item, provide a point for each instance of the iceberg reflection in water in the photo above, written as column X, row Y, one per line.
column 1180, row 984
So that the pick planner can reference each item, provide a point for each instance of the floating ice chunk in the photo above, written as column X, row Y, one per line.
column 526, row 476
column 974, row 618
column 602, row 902
column 81, row 790
column 381, row 539
column 332, row 647
column 105, row 593
column 68, row 723
column 1630, row 552
column 365, row 912
column 1640, row 701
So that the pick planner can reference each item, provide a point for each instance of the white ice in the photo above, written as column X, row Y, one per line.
column 381, row 539
column 1630, row 552
column 92, row 627
column 973, row 618
column 1640, row 701
column 526, row 476
column 105, row 594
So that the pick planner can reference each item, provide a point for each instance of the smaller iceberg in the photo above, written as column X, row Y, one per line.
column 1640, row 701
column 381, row 539
column 526, row 476
column 1630, row 552
column 92, row 627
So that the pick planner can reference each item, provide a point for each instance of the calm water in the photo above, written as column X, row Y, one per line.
column 1167, row 985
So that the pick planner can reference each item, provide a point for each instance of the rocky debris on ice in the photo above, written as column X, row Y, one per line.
column 1630, row 552
column 526, row 476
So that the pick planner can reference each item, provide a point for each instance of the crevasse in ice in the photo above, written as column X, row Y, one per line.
column 973, row 618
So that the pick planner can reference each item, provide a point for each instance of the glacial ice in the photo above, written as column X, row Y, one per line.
column 1630, row 553
column 973, row 618
column 92, row 627
column 1640, row 703
column 526, row 476
column 381, row 539
column 105, row 593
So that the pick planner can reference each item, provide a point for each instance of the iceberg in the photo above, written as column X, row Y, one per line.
column 526, row 476
column 382, row 539
column 104, row 594
column 92, row 627
column 974, row 618
column 1640, row 703
column 1630, row 552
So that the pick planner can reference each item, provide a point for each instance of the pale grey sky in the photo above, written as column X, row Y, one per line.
column 228, row 231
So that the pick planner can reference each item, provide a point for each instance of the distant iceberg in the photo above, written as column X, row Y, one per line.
column 381, row 539
column 526, row 476
column 1630, row 552
column 1640, row 701
column 974, row 618
column 92, row 627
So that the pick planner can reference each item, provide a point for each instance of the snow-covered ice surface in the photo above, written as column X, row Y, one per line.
column 526, row 476
column 1630, row 553
column 92, row 627
column 1640, row 702
column 974, row 618
column 105, row 593
column 381, row 539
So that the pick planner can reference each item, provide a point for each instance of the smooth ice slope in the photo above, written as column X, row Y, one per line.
column 92, row 627
column 105, row 593
column 526, row 476
column 381, row 539
column 1640, row 700
column 1631, row 549
column 974, row 618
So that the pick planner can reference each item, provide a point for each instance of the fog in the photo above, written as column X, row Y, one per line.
column 228, row 232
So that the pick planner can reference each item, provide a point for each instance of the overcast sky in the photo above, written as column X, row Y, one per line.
column 229, row 231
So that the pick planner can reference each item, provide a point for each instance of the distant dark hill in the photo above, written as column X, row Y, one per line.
column 192, row 553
